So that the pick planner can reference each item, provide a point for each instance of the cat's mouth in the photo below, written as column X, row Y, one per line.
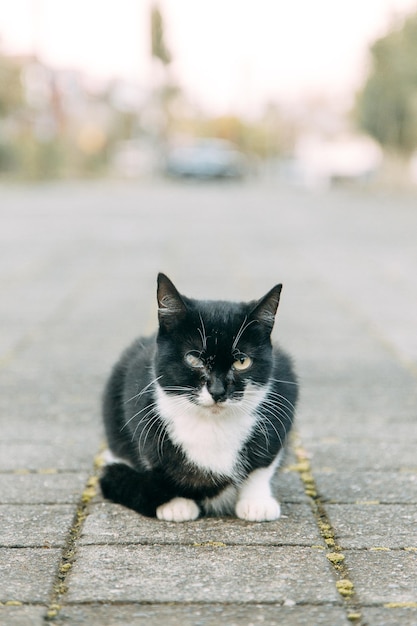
column 208, row 402
column 216, row 407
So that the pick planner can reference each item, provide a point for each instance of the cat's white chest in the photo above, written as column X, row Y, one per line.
column 210, row 437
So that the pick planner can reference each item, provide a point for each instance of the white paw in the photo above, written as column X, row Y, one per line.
column 178, row 510
column 258, row 510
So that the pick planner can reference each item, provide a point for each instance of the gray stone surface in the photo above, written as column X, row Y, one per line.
column 25, row 456
column 394, row 616
column 111, row 524
column 41, row 488
column 358, row 455
column 27, row 574
column 200, row 574
column 31, row 525
column 201, row 615
column 383, row 577
column 26, row 615
column 78, row 284
column 370, row 526
column 354, row 487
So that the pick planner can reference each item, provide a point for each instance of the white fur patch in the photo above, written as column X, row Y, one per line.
column 204, row 398
column 108, row 458
column 210, row 434
column 255, row 501
column 178, row 510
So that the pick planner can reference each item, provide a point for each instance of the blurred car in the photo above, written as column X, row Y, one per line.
column 206, row 159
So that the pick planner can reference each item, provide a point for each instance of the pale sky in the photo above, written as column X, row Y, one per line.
column 228, row 54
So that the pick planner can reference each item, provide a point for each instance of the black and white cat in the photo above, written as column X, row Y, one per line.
column 197, row 416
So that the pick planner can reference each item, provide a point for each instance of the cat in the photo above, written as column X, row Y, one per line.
column 197, row 416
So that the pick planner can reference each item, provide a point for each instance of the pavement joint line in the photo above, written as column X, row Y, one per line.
column 68, row 556
column 202, row 603
column 44, row 471
column 335, row 556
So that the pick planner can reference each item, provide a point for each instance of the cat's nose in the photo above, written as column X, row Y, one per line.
column 217, row 389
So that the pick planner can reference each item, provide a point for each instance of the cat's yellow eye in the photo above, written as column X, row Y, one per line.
column 242, row 363
column 194, row 361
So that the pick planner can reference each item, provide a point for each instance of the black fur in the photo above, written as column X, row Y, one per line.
column 156, row 470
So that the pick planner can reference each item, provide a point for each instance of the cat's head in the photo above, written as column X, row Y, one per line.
column 212, row 352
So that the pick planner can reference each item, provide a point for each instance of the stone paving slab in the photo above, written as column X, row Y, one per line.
column 374, row 526
column 346, row 396
column 359, row 455
column 380, row 616
column 34, row 525
column 200, row 574
column 72, row 455
column 26, row 615
column 354, row 487
column 27, row 574
column 112, row 524
column 41, row 488
column 370, row 427
column 201, row 615
column 383, row 577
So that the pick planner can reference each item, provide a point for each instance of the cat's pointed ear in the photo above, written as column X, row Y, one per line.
column 171, row 306
column 265, row 309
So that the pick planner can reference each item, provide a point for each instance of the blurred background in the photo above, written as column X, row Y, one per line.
column 313, row 94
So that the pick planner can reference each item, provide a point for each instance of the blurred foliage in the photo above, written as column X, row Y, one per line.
column 158, row 45
column 44, row 130
column 387, row 104
column 269, row 136
column 11, row 90
column 52, row 125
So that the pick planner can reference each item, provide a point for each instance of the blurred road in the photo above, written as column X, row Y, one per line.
column 78, row 275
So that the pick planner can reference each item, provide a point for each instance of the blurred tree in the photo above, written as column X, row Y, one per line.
column 387, row 104
column 158, row 47
column 11, row 89
column 11, row 103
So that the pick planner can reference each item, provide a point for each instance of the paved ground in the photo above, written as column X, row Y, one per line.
column 78, row 269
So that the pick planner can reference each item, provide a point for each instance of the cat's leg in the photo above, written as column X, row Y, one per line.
column 255, row 501
column 178, row 510
column 143, row 492
column 222, row 504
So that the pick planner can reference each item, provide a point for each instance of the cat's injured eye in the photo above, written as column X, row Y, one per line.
column 193, row 360
column 242, row 363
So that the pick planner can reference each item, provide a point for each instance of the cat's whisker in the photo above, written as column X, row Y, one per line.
column 286, row 382
column 281, row 398
column 244, row 326
column 145, row 419
column 280, row 401
column 152, row 417
column 279, row 412
column 177, row 388
column 161, row 434
column 136, row 415
column 275, row 429
column 203, row 335
column 265, row 433
column 146, row 389
column 276, row 413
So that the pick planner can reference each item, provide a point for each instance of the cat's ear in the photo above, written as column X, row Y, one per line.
column 171, row 306
column 265, row 309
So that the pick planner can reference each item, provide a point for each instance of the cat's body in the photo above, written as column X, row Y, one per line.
column 197, row 416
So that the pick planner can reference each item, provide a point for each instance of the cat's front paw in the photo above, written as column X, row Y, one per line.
column 258, row 510
column 178, row 510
